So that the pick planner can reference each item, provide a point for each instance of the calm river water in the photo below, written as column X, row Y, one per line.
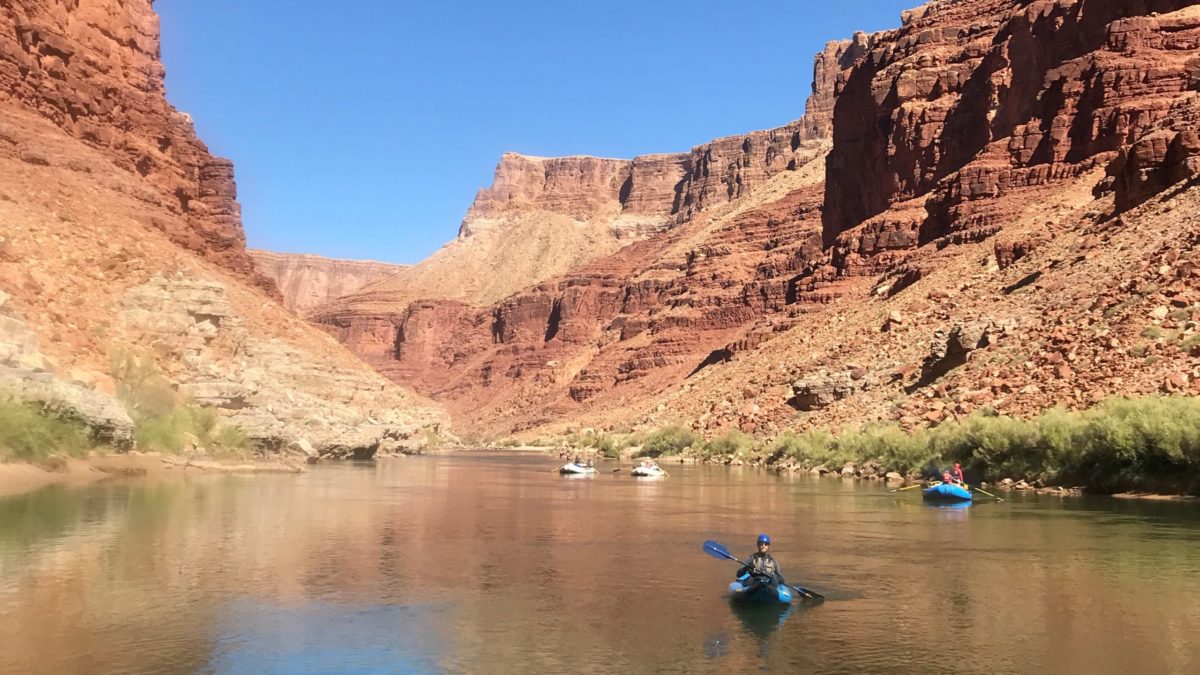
column 489, row 563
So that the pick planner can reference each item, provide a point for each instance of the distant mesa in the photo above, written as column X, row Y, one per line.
column 307, row 281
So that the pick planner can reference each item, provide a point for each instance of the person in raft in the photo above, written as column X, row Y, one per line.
column 947, row 478
column 761, row 564
column 958, row 474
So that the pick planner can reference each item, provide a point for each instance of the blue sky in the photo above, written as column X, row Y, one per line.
column 363, row 129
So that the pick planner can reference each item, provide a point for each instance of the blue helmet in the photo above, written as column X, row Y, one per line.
column 764, row 539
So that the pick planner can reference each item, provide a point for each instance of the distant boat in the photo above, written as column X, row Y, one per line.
column 648, row 470
column 571, row 468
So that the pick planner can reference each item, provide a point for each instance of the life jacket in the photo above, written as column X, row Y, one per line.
column 763, row 563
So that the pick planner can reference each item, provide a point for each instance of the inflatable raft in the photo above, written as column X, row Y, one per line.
column 947, row 492
column 750, row 591
column 573, row 469
column 652, row 471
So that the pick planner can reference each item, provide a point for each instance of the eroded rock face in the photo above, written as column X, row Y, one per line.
column 307, row 281
column 277, row 394
column 93, row 69
column 122, row 233
column 971, row 103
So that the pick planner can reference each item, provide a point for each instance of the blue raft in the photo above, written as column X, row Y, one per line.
column 947, row 493
column 749, row 591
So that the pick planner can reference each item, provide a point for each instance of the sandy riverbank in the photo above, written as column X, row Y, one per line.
column 18, row 478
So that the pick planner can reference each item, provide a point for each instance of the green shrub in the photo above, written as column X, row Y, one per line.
column 28, row 432
column 810, row 448
column 886, row 444
column 730, row 444
column 1190, row 343
column 1152, row 332
column 670, row 441
column 608, row 446
column 172, row 432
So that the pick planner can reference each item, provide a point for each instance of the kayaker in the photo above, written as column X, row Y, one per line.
column 761, row 562
column 958, row 474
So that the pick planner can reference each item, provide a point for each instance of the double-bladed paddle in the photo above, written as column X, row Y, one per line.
column 988, row 494
column 716, row 550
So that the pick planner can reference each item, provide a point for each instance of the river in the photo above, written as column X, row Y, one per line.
column 489, row 563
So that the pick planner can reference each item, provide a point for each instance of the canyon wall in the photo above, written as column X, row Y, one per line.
column 92, row 68
column 687, row 289
column 122, row 254
column 974, row 102
column 306, row 281
column 978, row 235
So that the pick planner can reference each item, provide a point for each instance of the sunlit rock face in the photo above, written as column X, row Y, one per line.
column 120, row 233
column 989, row 163
column 93, row 70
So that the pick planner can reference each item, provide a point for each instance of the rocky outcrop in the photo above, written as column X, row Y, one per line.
column 970, row 103
column 93, row 70
column 307, row 281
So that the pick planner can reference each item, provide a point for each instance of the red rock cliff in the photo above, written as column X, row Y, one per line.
column 647, row 313
column 92, row 68
column 1050, row 125
column 971, row 101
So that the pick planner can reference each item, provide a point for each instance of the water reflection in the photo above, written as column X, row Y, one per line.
column 473, row 563
column 761, row 621
column 254, row 637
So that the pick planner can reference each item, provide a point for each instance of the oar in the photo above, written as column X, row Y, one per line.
column 716, row 550
column 910, row 487
column 988, row 494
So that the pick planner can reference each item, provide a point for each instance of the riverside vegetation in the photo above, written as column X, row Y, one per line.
column 1150, row 443
column 163, row 421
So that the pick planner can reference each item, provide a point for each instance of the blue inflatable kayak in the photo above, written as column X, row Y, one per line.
column 947, row 492
column 747, row 590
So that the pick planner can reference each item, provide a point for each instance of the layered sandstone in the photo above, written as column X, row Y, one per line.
column 306, row 281
column 990, row 229
column 93, row 70
column 122, row 237
column 971, row 102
